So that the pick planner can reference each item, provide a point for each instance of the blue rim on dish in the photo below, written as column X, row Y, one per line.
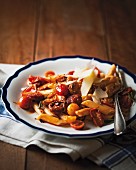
column 7, row 104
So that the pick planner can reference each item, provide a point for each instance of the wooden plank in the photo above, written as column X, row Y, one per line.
column 70, row 28
column 121, row 35
column 65, row 163
column 131, row 5
column 17, row 30
column 11, row 157
column 39, row 159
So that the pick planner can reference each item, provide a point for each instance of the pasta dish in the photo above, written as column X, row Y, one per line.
column 71, row 98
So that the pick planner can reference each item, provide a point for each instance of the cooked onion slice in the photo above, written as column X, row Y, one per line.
column 99, row 94
column 87, row 83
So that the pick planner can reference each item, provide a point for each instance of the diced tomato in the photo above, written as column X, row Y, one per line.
column 78, row 124
column 49, row 73
column 37, row 80
column 70, row 72
column 26, row 103
column 62, row 90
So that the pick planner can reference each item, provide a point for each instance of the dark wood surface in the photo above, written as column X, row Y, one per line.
column 31, row 30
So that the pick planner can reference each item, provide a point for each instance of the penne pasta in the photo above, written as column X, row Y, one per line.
column 51, row 119
column 102, row 108
column 83, row 112
column 46, row 92
column 112, row 70
column 37, row 109
column 67, row 118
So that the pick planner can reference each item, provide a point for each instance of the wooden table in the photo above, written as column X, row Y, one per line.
column 35, row 29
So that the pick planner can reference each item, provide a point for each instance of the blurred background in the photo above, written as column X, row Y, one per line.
column 35, row 29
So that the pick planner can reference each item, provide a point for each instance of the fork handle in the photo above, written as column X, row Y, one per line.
column 119, row 121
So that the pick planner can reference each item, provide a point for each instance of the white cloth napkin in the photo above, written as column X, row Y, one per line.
column 106, row 150
column 16, row 133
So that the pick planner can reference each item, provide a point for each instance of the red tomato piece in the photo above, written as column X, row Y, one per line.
column 70, row 72
column 37, row 80
column 62, row 90
column 26, row 103
column 78, row 124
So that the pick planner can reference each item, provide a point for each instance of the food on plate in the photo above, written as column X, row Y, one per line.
column 72, row 98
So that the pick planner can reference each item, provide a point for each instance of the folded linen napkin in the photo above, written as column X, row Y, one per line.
column 115, row 152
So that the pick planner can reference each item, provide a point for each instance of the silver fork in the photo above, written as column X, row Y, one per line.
column 119, row 120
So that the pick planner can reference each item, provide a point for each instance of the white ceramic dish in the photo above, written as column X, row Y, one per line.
column 12, row 89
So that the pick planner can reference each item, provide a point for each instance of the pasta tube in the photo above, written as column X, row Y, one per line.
column 102, row 108
column 51, row 119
